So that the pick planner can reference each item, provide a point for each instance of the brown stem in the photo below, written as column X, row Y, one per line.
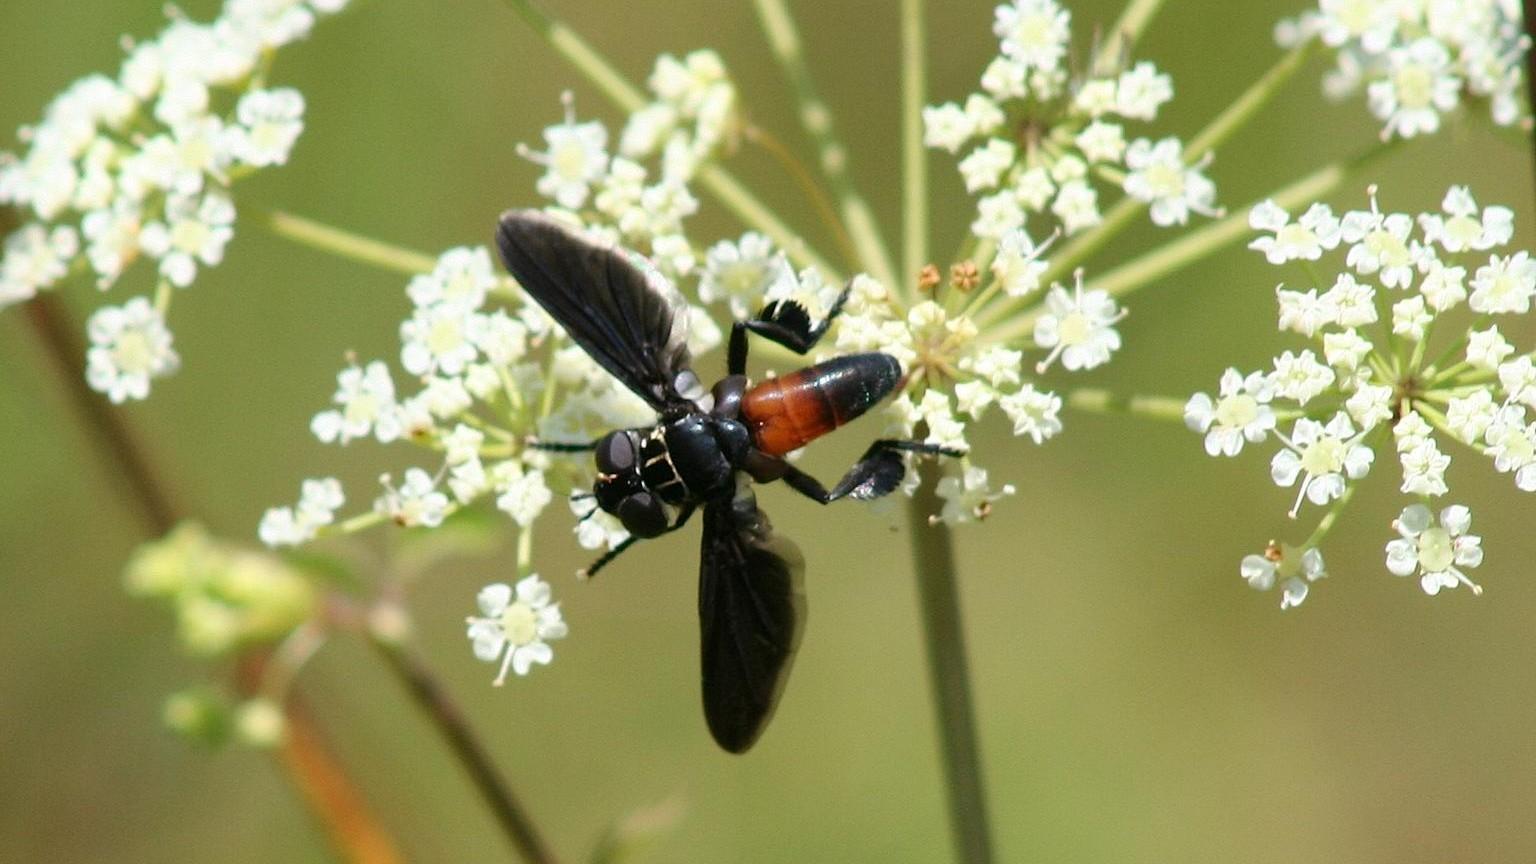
column 125, row 460
column 428, row 693
column 334, row 800
column 332, row 796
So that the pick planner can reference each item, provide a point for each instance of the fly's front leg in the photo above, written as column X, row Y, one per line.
column 560, row 446
column 590, row 570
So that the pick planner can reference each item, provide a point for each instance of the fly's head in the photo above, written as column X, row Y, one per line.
column 621, row 491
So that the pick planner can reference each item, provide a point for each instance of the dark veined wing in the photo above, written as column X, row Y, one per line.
column 751, row 612
column 605, row 302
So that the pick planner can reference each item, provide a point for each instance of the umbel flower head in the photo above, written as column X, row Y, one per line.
column 140, row 166
column 1044, row 143
column 1418, row 61
column 1407, row 357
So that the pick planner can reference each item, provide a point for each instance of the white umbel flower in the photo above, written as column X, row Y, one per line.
column 1078, row 328
column 415, row 502
column 195, row 230
column 1322, row 456
column 270, row 123
column 1240, row 414
column 366, row 397
column 319, row 499
column 517, row 626
column 1440, row 553
column 130, row 346
column 575, row 157
column 1159, row 176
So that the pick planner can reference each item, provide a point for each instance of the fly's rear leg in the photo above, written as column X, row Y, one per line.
column 877, row 472
column 785, row 322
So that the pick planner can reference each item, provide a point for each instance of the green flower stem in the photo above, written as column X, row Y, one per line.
column 914, row 159
column 933, row 556
column 1204, row 241
column 424, row 688
column 1100, row 401
column 333, row 797
column 1126, row 30
column 345, row 244
column 725, row 187
column 1331, row 518
column 1247, row 106
column 816, row 117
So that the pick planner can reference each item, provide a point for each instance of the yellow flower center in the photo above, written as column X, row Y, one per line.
column 133, row 353
column 1235, row 412
column 1323, row 456
column 1075, row 329
column 520, row 624
column 189, row 235
column 1436, row 550
column 1415, row 86
column 569, row 159
column 444, row 336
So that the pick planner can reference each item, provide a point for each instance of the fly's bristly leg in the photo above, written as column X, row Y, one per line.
column 877, row 472
column 785, row 322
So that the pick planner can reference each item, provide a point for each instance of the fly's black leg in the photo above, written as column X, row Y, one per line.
column 561, row 446
column 590, row 570
column 785, row 322
column 876, row 473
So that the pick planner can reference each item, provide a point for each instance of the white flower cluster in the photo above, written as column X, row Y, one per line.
column 489, row 380
column 140, row 165
column 617, row 197
column 1041, row 138
column 1418, row 59
column 1371, row 374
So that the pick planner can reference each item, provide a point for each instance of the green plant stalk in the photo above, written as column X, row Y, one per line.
column 933, row 559
column 1099, row 401
column 1203, row 241
column 345, row 244
column 1126, row 30
column 612, row 84
column 816, row 118
column 914, row 159
column 429, row 695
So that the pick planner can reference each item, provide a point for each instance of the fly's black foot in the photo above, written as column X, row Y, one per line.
column 877, row 473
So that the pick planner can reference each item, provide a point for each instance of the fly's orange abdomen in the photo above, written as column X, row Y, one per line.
column 790, row 412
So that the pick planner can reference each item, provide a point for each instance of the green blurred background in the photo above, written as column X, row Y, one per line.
column 1137, row 702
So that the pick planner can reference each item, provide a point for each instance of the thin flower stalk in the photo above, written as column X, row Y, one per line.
column 816, row 118
column 914, row 159
column 427, row 691
column 346, row 244
column 721, row 183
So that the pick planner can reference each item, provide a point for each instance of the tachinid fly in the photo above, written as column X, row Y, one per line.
column 706, row 448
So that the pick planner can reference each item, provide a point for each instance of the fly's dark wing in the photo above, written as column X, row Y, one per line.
column 605, row 302
column 751, row 611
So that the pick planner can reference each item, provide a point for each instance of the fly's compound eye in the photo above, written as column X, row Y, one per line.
column 643, row 515
column 615, row 453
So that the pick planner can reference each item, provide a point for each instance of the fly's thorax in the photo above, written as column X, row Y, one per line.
column 695, row 455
